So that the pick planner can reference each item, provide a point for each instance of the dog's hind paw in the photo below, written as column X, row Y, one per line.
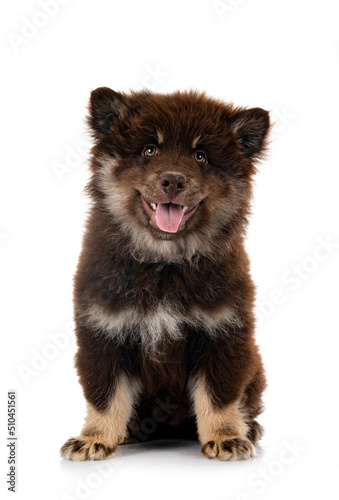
column 255, row 431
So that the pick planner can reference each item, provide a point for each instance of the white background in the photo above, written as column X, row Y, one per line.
column 280, row 55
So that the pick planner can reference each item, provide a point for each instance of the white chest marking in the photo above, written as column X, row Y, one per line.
column 162, row 323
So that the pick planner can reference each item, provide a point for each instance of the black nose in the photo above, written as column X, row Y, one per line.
column 172, row 184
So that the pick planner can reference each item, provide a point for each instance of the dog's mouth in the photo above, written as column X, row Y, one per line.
column 168, row 217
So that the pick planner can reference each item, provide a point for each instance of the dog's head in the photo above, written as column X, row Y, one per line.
column 173, row 171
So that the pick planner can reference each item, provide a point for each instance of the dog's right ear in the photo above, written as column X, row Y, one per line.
column 105, row 105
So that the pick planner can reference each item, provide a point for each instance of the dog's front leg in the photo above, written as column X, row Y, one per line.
column 111, row 395
column 218, row 393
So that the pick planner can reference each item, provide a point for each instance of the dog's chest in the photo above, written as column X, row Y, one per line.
column 161, row 322
column 154, row 303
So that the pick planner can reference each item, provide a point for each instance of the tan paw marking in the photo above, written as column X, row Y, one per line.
column 228, row 449
column 84, row 448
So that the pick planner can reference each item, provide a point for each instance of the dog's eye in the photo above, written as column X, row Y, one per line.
column 200, row 157
column 150, row 151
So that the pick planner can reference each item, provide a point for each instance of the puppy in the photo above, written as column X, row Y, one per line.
column 163, row 298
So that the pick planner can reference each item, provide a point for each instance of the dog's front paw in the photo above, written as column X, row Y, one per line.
column 84, row 448
column 228, row 449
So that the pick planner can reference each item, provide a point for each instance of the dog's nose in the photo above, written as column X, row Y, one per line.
column 172, row 184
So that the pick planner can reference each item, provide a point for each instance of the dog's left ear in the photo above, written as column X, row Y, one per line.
column 105, row 105
column 251, row 127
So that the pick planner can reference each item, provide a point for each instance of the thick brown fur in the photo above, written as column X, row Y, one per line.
column 164, row 320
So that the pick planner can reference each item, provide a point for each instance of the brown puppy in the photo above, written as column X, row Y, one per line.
column 163, row 294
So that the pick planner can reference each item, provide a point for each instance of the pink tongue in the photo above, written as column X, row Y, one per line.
column 168, row 217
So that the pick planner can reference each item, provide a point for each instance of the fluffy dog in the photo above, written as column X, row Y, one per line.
column 163, row 297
